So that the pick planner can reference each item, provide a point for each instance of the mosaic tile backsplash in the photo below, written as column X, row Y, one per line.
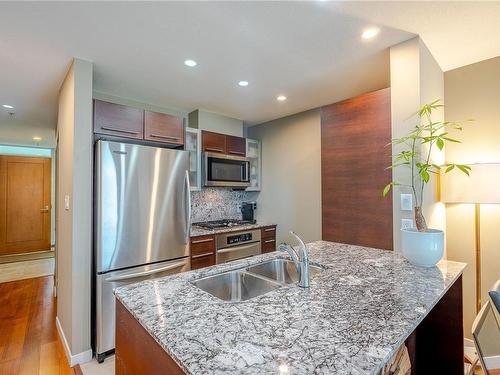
column 218, row 203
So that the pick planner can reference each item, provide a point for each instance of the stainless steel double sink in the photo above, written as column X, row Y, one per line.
column 250, row 282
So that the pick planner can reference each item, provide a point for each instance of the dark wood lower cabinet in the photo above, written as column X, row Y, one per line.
column 435, row 346
column 268, row 239
column 202, row 251
column 136, row 351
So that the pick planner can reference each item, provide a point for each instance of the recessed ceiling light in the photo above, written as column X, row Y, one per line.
column 190, row 62
column 281, row 98
column 37, row 139
column 370, row 33
column 243, row 83
column 8, row 106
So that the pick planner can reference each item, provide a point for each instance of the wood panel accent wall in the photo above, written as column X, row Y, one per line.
column 354, row 157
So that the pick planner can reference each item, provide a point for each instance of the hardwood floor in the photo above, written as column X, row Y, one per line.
column 29, row 343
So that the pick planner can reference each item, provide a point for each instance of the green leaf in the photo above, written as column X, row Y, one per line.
column 450, row 168
column 451, row 140
column 440, row 143
column 386, row 189
column 464, row 168
column 425, row 175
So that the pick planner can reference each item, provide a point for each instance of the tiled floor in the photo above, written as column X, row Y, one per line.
column 26, row 269
column 94, row 368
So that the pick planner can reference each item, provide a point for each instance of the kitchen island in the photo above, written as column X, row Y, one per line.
column 357, row 312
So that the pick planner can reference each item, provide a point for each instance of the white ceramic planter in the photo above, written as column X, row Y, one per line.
column 422, row 248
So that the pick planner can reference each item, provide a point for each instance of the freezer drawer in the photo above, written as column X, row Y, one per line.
column 106, row 283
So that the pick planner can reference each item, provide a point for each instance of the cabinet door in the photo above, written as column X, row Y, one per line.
column 160, row 127
column 118, row 120
column 254, row 156
column 213, row 142
column 235, row 145
column 193, row 145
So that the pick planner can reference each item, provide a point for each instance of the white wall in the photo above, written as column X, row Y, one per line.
column 416, row 79
column 214, row 122
column 473, row 92
column 74, row 225
column 291, row 174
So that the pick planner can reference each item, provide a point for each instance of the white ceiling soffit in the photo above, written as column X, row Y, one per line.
column 457, row 33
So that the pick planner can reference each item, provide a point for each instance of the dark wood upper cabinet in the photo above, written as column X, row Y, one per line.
column 118, row 120
column 236, row 145
column 354, row 160
column 213, row 142
column 160, row 127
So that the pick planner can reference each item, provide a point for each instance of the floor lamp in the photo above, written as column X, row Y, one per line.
column 481, row 187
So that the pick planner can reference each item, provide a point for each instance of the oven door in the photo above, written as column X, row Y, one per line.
column 246, row 250
column 226, row 170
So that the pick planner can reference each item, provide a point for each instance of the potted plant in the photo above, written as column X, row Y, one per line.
column 423, row 246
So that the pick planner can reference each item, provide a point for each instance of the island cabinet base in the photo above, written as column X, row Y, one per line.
column 136, row 351
column 437, row 344
column 435, row 347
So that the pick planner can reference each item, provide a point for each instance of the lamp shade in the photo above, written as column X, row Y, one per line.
column 482, row 186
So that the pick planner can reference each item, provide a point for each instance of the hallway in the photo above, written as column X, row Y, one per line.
column 29, row 343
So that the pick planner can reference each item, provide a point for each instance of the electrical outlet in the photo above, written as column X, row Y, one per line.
column 406, row 202
column 406, row 223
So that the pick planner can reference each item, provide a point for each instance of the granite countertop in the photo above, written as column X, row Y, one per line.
column 198, row 231
column 352, row 319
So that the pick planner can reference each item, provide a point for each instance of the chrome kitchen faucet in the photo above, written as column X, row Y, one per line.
column 300, row 259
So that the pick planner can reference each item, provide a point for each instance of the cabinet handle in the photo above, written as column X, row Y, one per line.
column 213, row 149
column 44, row 210
column 269, row 229
column 237, row 153
column 268, row 241
column 119, row 130
column 201, row 255
column 202, row 241
column 164, row 137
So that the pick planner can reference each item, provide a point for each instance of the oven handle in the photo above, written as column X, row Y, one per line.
column 236, row 248
column 135, row 275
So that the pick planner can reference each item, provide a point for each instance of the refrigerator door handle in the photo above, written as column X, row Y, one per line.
column 188, row 208
column 146, row 273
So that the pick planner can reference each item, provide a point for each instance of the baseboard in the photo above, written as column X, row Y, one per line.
column 492, row 362
column 73, row 359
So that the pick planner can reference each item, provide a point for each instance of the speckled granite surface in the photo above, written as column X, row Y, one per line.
column 197, row 231
column 350, row 321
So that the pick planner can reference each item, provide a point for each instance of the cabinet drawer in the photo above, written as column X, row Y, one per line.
column 268, row 245
column 268, row 232
column 202, row 261
column 236, row 145
column 160, row 127
column 202, row 245
column 118, row 120
column 213, row 142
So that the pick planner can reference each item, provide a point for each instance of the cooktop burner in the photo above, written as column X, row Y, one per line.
column 222, row 223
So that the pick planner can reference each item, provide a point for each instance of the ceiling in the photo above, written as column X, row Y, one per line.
column 311, row 52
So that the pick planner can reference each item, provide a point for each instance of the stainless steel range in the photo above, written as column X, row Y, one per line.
column 235, row 244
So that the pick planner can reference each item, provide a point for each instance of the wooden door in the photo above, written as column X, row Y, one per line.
column 118, row 120
column 355, row 134
column 213, row 142
column 236, row 145
column 160, row 127
column 24, row 204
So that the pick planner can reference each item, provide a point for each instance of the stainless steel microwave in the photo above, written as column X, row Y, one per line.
column 225, row 170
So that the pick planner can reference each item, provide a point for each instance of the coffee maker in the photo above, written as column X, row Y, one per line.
column 248, row 211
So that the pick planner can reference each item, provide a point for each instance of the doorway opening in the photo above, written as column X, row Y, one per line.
column 27, row 196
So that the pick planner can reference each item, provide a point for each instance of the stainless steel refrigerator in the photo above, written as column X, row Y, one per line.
column 142, row 223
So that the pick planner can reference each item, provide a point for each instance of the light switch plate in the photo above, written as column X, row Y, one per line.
column 66, row 202
column 406, row 202
column 406, row 223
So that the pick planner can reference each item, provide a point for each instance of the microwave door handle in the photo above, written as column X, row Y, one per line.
column 188, row 207
column 135, row 275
